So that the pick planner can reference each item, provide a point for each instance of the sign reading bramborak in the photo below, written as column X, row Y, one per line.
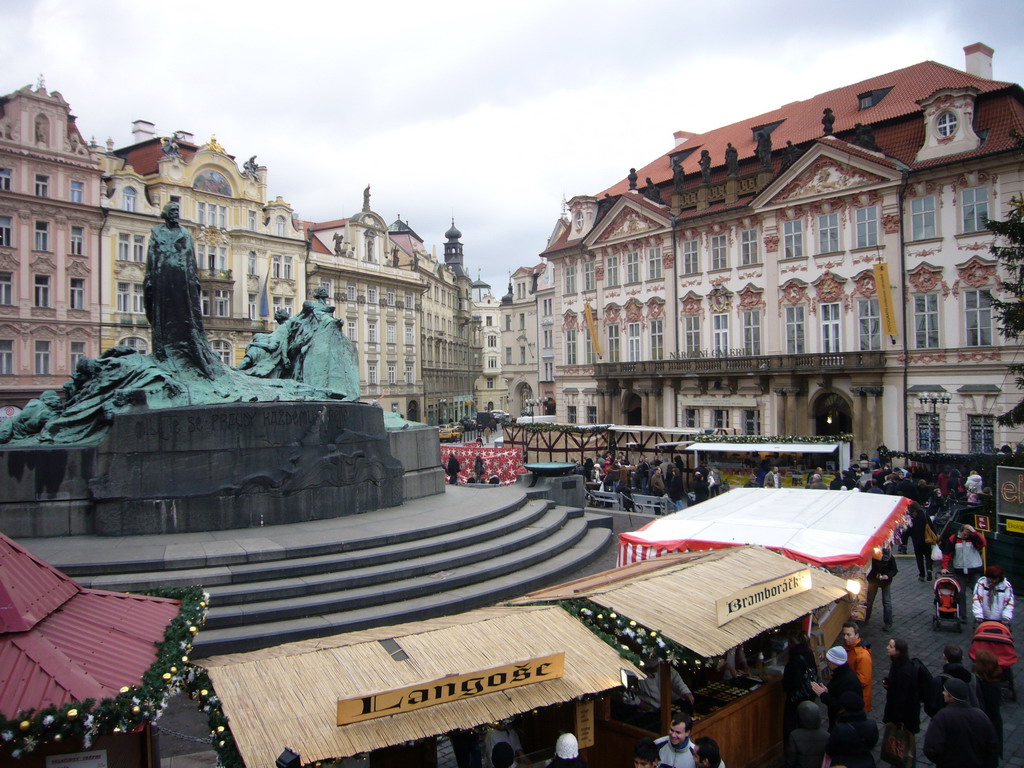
column 757, row 595
column 451, row 688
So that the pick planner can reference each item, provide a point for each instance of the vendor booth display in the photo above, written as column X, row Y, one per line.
column 366, row 693
column 505, row 463
column 692, row 612
column 85, row 672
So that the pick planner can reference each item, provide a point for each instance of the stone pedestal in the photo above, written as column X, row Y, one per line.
column 216, row 467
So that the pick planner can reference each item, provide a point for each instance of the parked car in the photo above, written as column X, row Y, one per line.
column 468, row 424
column 450, row 433
column 500, row 416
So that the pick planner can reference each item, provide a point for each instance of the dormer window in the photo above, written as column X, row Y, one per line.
column 946, row 124
column 871, row 98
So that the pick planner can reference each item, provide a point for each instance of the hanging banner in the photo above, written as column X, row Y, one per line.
column 452, row 688
column 595, row 341
column 884, row 291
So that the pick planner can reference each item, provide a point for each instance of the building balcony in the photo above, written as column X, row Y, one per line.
column 729, row 364
column 216, row 275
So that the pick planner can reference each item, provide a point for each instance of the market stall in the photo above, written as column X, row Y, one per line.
column 506, row 463
column 384, row 694
column 825, row 528
column 796, row 457
column 690, row 611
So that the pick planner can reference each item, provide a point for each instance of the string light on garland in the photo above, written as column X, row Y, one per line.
column 130, row 708
column 782, row 439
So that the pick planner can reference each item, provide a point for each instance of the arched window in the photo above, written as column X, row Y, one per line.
column 279, row 226
column 130, row 199
column 136, row 343
column 222, row 349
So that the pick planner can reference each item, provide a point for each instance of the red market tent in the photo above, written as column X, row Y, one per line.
column 823, row 528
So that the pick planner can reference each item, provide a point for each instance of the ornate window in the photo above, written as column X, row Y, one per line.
column 42, row 291
column 795, row 343
column 975, row 207
column 691, row 334
column 720, row 333
column 922, row 217
column 6, row 357
column 42, row 358
column 748, row 247
column 830, row 327
column 828, row 233
column 867, row 226
column 130, row 198
column 42, row 239
column 981, row 434
column 76, row 293
column 570, row 346
column 719, row 252
column 588, row 276
column 654, row 265
column 978, row 306
column 926, row 321
column 657, row 339
column 869, row 325
column 752, row 331
column 929, row 436
column 77, row 353
column 6, row 226
column 946, row 124
column 691, row 258
column 222, row 349
column 793, row 239
column 633, row 267
column 611, row 271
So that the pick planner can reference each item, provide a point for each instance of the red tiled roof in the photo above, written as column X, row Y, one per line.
column 143, row 157
column 801, row 120
column 66, row 643
column 317, row 226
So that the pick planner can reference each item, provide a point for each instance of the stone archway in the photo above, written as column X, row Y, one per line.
column 523, row 399
column 832, row 414
column 413, row 411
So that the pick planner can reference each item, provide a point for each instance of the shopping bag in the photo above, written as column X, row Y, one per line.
column 898, row 746
column 929, row 535
column 936, row 553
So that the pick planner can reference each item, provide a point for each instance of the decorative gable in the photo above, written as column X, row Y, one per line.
column 826, row 176
column 627, row 223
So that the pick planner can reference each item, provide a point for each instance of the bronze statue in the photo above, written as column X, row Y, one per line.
column 250, row 166
column 764, row 149
column 171, row 296
column 651, row 191
column 864, row 137
column 827, row 121
column 790, row 154
column 705, row 166
column 632, row 178
column 678, row 176
column 732, row 160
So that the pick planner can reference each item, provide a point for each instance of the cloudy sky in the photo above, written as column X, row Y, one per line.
column 491, row 113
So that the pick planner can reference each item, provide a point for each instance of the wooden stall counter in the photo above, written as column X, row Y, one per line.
column 748, row 730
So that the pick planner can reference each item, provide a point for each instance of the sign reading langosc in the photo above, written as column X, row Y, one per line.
column 1010, row 499
column 757, row 595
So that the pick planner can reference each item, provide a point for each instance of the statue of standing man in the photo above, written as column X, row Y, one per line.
column 171, row 294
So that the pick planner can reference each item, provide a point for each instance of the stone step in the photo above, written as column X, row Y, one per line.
column 556, row 535
column 293, row 567
column 452, row 599
column 86, row 556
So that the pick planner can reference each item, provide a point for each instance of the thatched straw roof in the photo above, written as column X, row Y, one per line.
column 676, row 594
column 287, row 696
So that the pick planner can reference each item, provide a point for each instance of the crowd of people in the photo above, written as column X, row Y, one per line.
column 966, row 727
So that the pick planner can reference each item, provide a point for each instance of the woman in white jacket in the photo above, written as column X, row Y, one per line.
column 993, row 597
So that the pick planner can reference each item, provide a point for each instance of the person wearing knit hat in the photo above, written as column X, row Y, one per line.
column 844, row 679
column 854, row 734
column 567, row 753
column 960, row 736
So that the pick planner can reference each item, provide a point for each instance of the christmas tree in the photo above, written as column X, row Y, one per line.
column 1009, row 252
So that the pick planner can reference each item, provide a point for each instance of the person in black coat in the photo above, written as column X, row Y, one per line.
column 453, row 470
column 919, row 525
column 799, row 672
column 990, row 692
column 880, row 577
column 960, row 736
column 854, row 734
column 844, row 680
column 902, row 698
column 700, row 488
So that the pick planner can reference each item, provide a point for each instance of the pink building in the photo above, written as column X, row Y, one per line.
column 50, row 222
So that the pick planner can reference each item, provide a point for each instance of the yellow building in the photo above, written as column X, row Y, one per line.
column 250, row 250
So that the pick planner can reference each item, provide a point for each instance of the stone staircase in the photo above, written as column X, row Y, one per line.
column 439, row 555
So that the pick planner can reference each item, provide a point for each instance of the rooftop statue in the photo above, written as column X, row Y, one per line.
column 306, row 358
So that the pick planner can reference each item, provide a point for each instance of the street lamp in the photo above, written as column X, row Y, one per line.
column 934, row 399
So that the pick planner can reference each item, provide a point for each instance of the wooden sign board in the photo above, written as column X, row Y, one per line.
column 585, row 723
column 756, row 595
column 451, row 688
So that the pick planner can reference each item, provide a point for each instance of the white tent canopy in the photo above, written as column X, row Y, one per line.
column 827, row 528
column 765, row 447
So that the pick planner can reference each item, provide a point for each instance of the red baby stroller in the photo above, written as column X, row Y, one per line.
column 996, row 637
column 947, row 602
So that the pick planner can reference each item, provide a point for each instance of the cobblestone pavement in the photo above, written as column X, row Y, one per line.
column 912, row 612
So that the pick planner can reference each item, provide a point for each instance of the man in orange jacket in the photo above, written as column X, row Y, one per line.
column 859, row 659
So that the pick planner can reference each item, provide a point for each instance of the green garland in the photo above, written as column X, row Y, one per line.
column 631, row 640
column 546, row 427
column 786, row 439
column 132, row 707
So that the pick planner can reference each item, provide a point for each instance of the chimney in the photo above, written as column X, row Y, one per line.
column 979, row 60
column 681, row 137
column 142, row 130
column 185, row 136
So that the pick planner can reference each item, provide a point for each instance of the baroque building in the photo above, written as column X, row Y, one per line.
column 819, row 269
column 378, row 297
column 50, row 246
column 250, row 251
column 519, row 342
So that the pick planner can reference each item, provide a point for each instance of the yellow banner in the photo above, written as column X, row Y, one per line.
column 451, row 688
column 885, row 306
column 595, row 340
